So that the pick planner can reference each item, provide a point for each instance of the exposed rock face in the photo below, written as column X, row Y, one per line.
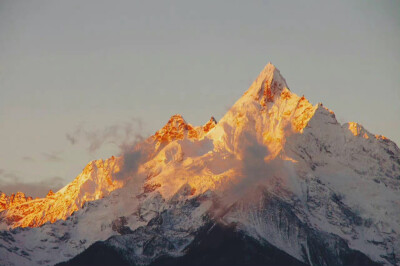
column 177, row 129
column 278, row 175
column 7, row 202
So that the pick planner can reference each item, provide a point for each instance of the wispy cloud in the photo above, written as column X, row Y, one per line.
column 256, row 171
column 12, row 183
column 27, row 159
column 133, row 154
column 120, row 134
column 8, row 175
column 127, row 136
column 52, row 156
column 71, row 138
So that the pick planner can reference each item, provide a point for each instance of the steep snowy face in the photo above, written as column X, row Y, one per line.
column 351, row 180
column 268, row 112
column 267, row 85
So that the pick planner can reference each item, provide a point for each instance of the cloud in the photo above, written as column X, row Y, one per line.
column 71, row 138
column 118, row 134
column 48, row 156
column 52, row 156
column 28, row 159
column 12, row 183
column 7, row 175
column 131, row 162
column 256, row 172
column 127, row 136
column 10, row 176
column 133, row 153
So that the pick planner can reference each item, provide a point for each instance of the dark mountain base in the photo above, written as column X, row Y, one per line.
column 214, row 245
column 98, row 254
column 218, row 245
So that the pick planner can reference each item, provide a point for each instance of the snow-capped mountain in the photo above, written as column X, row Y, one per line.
column 277, row 180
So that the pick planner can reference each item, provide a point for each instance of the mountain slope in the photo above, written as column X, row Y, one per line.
column 96, row 181
column 277, row 170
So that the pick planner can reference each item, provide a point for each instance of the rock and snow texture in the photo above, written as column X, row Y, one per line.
column 97, row 180
column 7, row 202
column 282, row 170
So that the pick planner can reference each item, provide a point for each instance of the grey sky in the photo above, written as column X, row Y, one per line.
column 93, row 66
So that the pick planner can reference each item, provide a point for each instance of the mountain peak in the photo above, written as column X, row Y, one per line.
column 269, row 67
column 358, row 130
column 176, row 120
column 174, row 129
column 50, row 194
column 177, row 128
column 268, row 84
column 210, row 124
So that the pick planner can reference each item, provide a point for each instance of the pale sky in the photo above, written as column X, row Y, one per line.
column 106, row 70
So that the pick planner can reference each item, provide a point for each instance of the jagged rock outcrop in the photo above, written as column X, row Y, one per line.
column 7, row 202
